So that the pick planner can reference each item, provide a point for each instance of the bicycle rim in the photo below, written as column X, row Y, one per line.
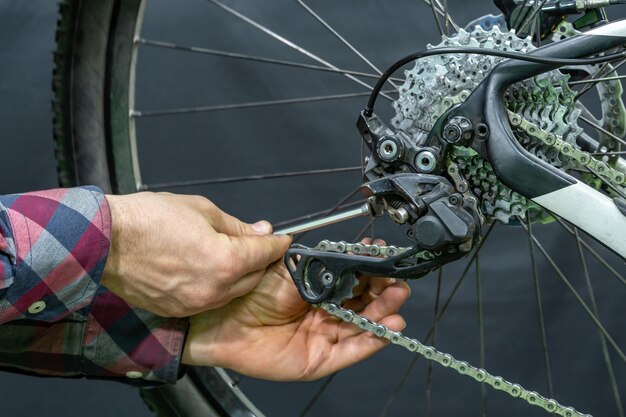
column 121, row 152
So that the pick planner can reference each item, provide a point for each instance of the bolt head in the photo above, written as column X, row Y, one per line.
column 452, row 133
column 327, row 278
column 426, row 161
column 388, row 150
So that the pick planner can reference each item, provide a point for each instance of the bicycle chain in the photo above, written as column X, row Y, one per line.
column 600, row 168
column 429, row 352
column 447, row 361
column 370, row 250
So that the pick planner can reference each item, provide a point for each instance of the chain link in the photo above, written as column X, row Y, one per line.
column 601, row 168
column 430, row 353
column 446, row 360
column 370, row 250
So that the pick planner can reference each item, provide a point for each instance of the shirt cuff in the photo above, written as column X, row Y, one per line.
column 131, row 343
column 109, row 340
column 53, row 251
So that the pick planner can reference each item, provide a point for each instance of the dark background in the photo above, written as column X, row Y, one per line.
column 296, row 138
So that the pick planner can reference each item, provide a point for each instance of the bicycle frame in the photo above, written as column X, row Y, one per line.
column 595, row 213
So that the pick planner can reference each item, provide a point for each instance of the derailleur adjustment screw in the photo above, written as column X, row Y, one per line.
column 410, row 233
column 399, row 216
column 390, row 150
column 328, row 278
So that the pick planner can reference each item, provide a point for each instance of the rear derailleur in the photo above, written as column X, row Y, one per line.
column 406, row 179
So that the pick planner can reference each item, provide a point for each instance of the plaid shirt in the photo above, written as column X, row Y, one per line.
column 54, row 317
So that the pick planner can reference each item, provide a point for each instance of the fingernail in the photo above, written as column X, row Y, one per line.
column 391, row 281
column 262, row 227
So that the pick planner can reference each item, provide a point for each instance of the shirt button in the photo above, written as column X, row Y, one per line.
column 134, row 374
column 37, row 307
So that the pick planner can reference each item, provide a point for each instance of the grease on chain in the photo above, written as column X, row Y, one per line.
column 614, row 176
column 447, row 361
column 429, row 352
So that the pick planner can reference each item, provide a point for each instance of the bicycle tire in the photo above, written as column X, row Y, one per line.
column 93, row 147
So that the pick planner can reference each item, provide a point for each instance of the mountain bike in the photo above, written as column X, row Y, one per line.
column 493, row 124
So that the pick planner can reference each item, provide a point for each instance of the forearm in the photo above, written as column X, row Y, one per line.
column 56, row 318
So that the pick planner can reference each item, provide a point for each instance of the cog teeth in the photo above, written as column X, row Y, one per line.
column 440, row 81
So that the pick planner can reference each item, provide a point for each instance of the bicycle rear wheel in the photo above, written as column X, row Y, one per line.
column 97, row 143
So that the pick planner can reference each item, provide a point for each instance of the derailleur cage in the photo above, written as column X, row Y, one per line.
column 441, row 221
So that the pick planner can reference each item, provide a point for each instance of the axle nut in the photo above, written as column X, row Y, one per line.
column 452, row 133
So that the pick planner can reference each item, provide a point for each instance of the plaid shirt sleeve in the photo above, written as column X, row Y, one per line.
column 55, row 319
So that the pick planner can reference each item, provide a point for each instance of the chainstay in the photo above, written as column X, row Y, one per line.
column 447, row 361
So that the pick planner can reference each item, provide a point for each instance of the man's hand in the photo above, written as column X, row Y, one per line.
column 178, row 255
column 272, row 333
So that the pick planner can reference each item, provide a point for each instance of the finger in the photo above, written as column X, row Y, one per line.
column 354, row 304
column 388, row 302
column 376, row 287
column 223, row 222
column 251, row 253
column 361, row 287
column 243, row 286
column 368, row 289
column 352, row 349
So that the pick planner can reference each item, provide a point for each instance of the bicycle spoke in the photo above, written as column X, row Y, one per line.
column 436, row 18
column 447, row 16
column 601, row 129
column 593, row 253
column 427, row 338
column 481, row 331
column 439, row 9
column 520, row 16
column 317, row 395
column 594, row 306
column 287, row 42
column 607, row 183
column 341, row 38
column 529, row 21
column 246, row 178
column 538, row 31
column 577, row 296
column 225, row 54
column 542, row 325
column 602, row 72
column 429, row 373
column 597, row 80
column 364, row 230
column 250, row 105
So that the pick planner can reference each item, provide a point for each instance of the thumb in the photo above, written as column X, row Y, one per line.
column 224, row 223
column 256, row 252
